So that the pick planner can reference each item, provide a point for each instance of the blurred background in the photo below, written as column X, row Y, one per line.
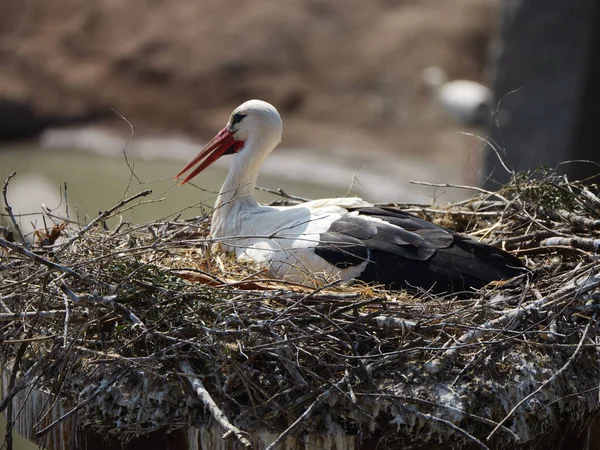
column 362, row 113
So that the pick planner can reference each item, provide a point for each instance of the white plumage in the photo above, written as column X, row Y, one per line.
column 283, row 239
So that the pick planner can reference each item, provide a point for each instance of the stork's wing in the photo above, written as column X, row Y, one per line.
column 408, row 252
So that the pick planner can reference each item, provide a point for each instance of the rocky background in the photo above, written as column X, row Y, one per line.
column 343, row 73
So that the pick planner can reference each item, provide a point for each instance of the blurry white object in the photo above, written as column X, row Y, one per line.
column 467, row 102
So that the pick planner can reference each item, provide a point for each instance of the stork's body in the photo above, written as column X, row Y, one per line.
column 342, row 238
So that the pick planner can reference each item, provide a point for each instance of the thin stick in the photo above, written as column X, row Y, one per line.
column 66, row 203
column 301, row 299
column 405, row 399
column 590, row 245
column 455, row 212
column 306, row 414
column 493, row 145
column 21, row 383
column 592, row 199
column 76, row 408
column 212, row 407
column 40, row 259
column 131, row 167
column 8, row 209
column 109, row 301
column 460, row 186
column 102, row 217
column 454, row 427
column 11, row 384
column 577, row 286
column 67, row 315
column 547, row 382
column 9, row 317
column 280, row 192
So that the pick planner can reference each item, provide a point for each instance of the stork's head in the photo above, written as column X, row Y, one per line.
column 254, row 122
column 257, row 119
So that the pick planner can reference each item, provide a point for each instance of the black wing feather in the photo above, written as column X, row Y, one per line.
column 349, row 226
column 400, row 218
column 406, row 252
column 341, row 250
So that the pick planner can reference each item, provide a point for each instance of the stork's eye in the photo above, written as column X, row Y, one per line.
column 237, row 118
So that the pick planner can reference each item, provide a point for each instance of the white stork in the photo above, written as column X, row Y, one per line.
column 343, row 238
column 466, row 101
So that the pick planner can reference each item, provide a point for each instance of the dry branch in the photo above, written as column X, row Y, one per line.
column 577, row 287
column 210, row 404
column 39, row 259
column 547, row 382
column 306, row 414
column 587, row 244
column 110, row 301
column 103, row 216
column 8, row 209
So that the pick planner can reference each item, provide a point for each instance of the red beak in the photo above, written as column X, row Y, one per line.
column 222, row 144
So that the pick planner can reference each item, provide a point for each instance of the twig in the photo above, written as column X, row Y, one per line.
column 532, row 237
column 102, row 217
column 453, row 212
column 590, row 245
column 41, row 260
column 67, row 316
column 280, row 192
column 306, row 414
column 11, row 384
column 8, row 209
column 394, row 323
column 454, row 427
column 66, row 203
column 212, row 407
column 405, row 398
column 568, row 216
column 9, row 317
column 3, row 305
column 69, row 413
column 131, row 167
column 591, row 198
column 303, row 298
column 547, row 382
column 22, row 382
column 109, row 301
column 577, row 286
column 494, row 145
column 460, row 186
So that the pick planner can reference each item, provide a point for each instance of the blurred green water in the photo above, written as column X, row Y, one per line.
column 96, row 183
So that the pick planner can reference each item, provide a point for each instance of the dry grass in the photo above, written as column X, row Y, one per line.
column 122, row 323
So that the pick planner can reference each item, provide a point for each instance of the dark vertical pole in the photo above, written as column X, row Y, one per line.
column 541, row 62
column 586, row 138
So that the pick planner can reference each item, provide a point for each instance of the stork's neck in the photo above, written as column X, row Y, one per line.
column 237, row 192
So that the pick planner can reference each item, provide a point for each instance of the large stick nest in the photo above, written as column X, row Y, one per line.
column 136, row 327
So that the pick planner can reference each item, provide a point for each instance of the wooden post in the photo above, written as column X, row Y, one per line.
column 543, row 79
